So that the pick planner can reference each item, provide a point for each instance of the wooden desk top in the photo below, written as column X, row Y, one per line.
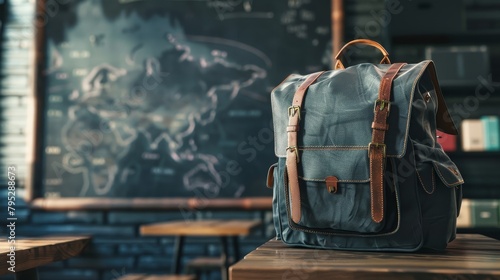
column 470, row 256
column 201, row 228
column 157, row 277
column 34, row 252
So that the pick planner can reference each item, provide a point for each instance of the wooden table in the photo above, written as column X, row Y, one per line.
column 468, row 257
column 31, row 253
column 223, row 229
column 156, row 277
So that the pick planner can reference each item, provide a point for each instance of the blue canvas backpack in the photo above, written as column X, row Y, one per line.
column 359, row 167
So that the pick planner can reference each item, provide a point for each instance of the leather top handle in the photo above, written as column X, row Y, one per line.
column 385, row 59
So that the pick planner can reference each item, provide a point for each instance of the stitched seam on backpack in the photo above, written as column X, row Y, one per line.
column 422, row 182
column 346, row 148
column 340, row 181
column 459, row 182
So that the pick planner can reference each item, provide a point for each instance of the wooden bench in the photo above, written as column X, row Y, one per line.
column 156, row 277
column 31, row 253
column 223, row 229
column 468, row 257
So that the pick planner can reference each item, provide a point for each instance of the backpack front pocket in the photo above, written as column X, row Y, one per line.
column 347, row 207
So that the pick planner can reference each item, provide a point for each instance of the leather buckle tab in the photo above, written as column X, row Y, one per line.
column 293, row 149
column 270, row 176
column 376, row 146
column 331, row 184
column 383, row 104
column 292, row 110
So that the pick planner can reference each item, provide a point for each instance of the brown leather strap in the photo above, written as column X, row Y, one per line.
column 292, row 152
column 270, row 176
column 377, row 147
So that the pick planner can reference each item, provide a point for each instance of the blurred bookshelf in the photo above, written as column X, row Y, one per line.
column 480, row 216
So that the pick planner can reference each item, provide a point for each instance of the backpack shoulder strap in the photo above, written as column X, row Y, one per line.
column 377, row 146
column 292, row 151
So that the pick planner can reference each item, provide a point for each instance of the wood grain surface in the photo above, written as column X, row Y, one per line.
column 250, row 203
column 468, row 257
column 34, row 252
column 201, row 228
column 157, row 277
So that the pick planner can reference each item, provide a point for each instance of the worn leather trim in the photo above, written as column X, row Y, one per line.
column 292, row 152
column 270, row 176
column 332, row 184
column 377, row 149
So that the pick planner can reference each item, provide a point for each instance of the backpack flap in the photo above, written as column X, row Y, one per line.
column 444, row 121
column 432, row 161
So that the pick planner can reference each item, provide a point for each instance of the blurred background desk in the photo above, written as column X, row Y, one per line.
column 223, row 229
column 31, row 253
column 468, row 257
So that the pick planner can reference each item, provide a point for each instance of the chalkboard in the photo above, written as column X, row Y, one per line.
column 165, row 99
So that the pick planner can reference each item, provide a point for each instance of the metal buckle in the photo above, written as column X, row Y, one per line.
column 376, row 145
column 383, row 104
column 292, row 110
column 294, row 149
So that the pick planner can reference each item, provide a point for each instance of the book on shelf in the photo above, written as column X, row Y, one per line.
column 485, row 213
column 447, row 141
column 464, row 220
column 472, row 135
column 491, row 126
